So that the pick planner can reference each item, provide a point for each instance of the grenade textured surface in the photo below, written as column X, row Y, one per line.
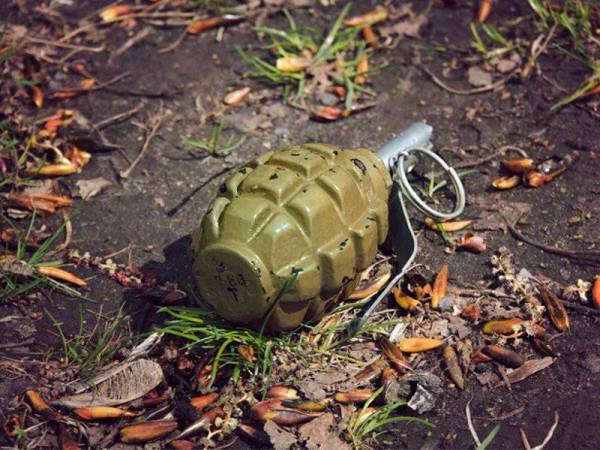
column 312, row 207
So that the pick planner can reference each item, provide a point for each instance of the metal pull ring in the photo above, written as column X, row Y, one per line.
column 414, row 198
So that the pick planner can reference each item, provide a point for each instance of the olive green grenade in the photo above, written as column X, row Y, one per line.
column 313, row 212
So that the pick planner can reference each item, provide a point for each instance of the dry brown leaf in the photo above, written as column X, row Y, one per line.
column 529, row 368
column 121, row 384
column 478, row 77
column 92, row 187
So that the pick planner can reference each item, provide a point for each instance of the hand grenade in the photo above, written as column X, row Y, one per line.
column 315, row 212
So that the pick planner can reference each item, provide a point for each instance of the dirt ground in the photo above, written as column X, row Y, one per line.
column 154, row 210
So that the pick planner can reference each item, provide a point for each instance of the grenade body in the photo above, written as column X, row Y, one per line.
column 313, row 208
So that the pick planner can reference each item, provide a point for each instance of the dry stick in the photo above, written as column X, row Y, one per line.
column 68, row 235
column 576, row 254
column 176, row 43
column 155, row 123
column 526, row 443
column 98, row 86
column 118, row 117
column 478, row 90
column 81, row 48
column 470, row 424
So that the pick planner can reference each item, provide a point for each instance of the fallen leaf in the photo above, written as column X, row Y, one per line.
column 322, row 434
column 280, row 438
column 92, row 187
column 478, row 77
column 529, row 368
column 119, row 384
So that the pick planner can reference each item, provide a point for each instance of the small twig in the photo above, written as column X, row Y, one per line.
column 81, row 48
column 68, row 235
column 17, row 344
column 470, row 424
column 546, row 439
column 98, row 86
column 118, row 117
column 176, row 43
column 155, row 123
column 479, row 90
column 593, row 255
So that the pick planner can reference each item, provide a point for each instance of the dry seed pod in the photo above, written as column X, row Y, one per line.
column 471, row 242
column 372, row 288
column 282, row 393
column 519, row 165
column 236, row 97
column 147, row 431
column 536, row 179
column 484, row 10
column 379, row 14
column 290, row 64
column 102, row 412
column 306, row 405
column 113, row 12
column 505, row 327
column 453, row 368
column 38, row 96
column 203, row 401
column 247, row 352
column 596, row 292
column 274, row 410
column 369, row 36
column 54, row 169
column 479, row 357
column 405, row 302
column 354, row 396
column 393, row 353
column 62, row 275
column 40, row 406
column 503, row 355
column 415, row 345
column 439, row 286
column 471, row 312
column 254, row 434
column 179, row 444
column 543, row 347
column 370, row 371
column 361, row 69
column 448, row 227
column 66, row 441
column 556, row 310
column 328, row 113
column 505, row 183
column 198, row 26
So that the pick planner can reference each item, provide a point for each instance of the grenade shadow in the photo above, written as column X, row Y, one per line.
column 176, row 269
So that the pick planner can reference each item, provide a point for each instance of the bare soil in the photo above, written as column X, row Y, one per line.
column 164, row 199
